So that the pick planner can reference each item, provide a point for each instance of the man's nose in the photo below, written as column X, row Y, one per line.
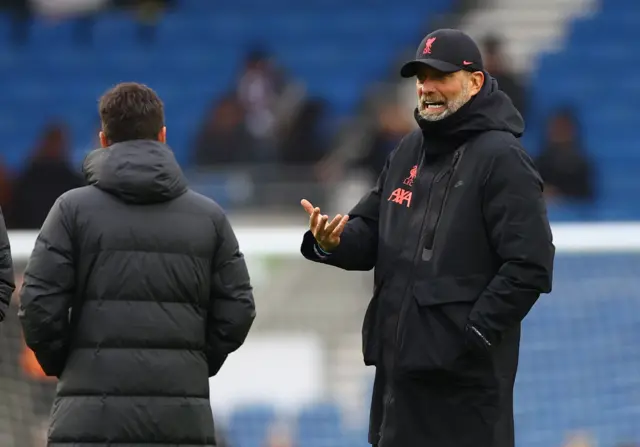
column 426, row 88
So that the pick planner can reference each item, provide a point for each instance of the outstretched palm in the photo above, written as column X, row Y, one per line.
column 327, row 233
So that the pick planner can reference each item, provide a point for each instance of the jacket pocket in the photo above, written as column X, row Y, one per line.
column 433, row 329
column 370, row 329
column 449, row 289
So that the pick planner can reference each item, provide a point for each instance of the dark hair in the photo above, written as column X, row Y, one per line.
column 131, row 111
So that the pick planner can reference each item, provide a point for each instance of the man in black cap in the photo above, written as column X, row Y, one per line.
column 457, row 231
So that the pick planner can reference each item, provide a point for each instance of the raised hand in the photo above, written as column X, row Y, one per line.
column 327, row 233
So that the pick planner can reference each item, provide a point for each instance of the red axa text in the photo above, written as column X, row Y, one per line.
column 400, row 196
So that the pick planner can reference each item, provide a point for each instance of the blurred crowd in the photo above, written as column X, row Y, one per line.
column 262, row 120
column 82, row 11
column 27, row 196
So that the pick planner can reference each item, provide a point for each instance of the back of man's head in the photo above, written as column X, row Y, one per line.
column 131, row 111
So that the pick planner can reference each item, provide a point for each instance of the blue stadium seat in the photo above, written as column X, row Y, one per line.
column 335, row 48
column 574, row 374
column 248, row 426
column 579, row 362
column 576, row 76
column 320, row 425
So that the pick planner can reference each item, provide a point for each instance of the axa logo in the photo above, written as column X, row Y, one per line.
column 412, row 176
column 400, row 196
column 427, row 45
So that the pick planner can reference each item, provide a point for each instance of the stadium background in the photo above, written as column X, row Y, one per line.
column 269, row 102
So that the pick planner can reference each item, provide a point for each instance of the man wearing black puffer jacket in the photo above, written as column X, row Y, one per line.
column 136, row 291
column 457, row 231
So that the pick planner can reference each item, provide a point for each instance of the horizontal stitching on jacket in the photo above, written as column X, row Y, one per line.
column 150, row 251
column 152, row 300
column 102, row 347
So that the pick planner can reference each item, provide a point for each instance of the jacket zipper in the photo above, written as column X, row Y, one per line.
column 456, row 159
column 417, row 253
column 429, row 243
column 387, row 396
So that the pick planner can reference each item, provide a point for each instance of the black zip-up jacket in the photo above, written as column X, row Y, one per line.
column 134, row 295
column 457, row 230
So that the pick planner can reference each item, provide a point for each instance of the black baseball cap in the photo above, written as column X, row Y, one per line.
column 446, row 50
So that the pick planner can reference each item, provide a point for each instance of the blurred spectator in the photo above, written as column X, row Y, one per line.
column 23, row 11
column 392, row 125
column 133, row 4
column 224, row 138
column 64, row 8
column 148, row 13
column 144, row 6
column 495, row 62
column 47, row 176
column 20, row 12
column 5, row 187
column 562, row 163
column 265, row 120
column 80, row 12
column 303, row 142
column 259, row 88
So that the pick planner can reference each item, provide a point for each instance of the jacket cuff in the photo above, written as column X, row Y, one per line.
column 310, row 249
column 320, row 252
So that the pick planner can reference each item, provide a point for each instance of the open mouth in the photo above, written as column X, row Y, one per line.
column 432, row 105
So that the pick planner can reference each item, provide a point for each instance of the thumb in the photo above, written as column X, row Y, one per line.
column 308, row 207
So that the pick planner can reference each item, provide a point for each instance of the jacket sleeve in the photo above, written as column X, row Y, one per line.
column 517, row 225
column 47, row 292
column 231, row 306
column 358, row 246
column 7, row 280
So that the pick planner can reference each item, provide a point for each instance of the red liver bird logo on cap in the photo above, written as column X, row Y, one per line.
column 427, row 45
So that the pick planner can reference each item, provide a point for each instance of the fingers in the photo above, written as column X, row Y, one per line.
column 314, row 219
column 319, row 230
column 333, row 224
column 340, row 227
column 318, row 223
column 314, row 213
column 308, row 207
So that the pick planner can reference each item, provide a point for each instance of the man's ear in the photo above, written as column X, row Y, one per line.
column 477, row 81
column 103, row 140
column 162, row 136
